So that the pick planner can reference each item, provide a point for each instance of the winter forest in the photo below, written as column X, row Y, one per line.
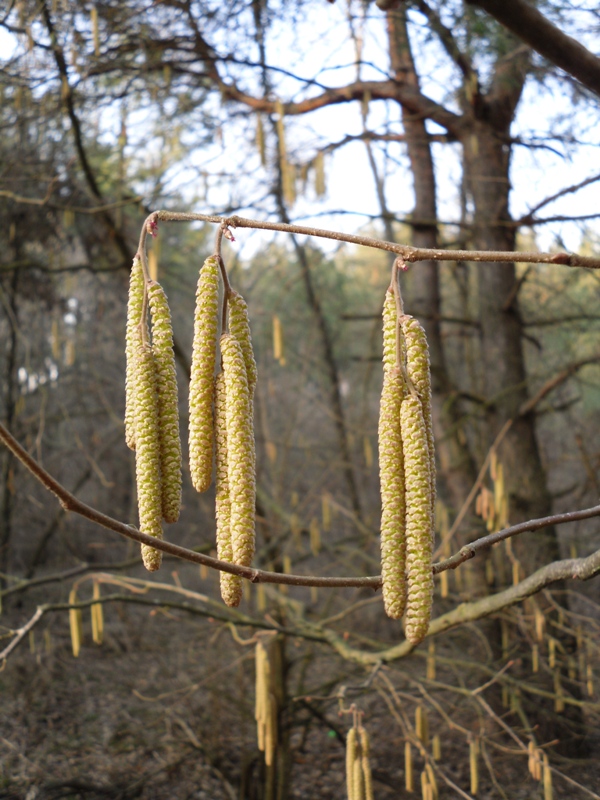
column 382, row 576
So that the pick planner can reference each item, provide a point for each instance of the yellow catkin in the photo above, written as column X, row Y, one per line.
column 432, row 781
column 351, row 752
column 409, row 780
column 417, row 367
column 319, row 166
column 133, row 338
column 168, row 406
column 390, row 322
column 147, row 454
column 359, row 782
column 419, row 520
column 201, row 381
column 548, row 795
column 262, row 710
column 231, row 585
column 474, row 765
column 366, row 763
column 239, row 327
column 436, row 748
column 75, row 624
column 260, row 140
column 240, row 451
column 393, row 509
column 97, row 616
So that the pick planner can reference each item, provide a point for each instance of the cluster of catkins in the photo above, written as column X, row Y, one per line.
column 359, row 784
column 407, row 472
column 220, row 417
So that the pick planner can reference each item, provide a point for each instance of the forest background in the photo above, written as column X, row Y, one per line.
column 422, row 123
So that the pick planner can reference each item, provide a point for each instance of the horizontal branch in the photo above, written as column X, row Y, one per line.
column 406, row 252
column 70, row 503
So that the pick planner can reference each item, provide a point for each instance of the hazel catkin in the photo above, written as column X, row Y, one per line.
column 393, row 504
column 351, row 754
column 390, row 324
column 133, row 338
column 231, row 585
column 147, row 453
column 202, row 372
column 168, row 406
column 418, row 519
column 239, row 327
column 418, row 370
column 240, row 451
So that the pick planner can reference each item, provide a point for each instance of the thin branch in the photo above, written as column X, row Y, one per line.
column 408, row 253
column 71, row 503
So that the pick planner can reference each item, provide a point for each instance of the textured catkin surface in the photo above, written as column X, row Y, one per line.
column 389, row 331
column 240, row 451
column 239, row 327
column 168, row 406
column 417, row 366
column 202, row 372
column 231, row 585
column 147, row 453
column 133, row 339
column 393, row 506
column 351, row 753
column 418, row 520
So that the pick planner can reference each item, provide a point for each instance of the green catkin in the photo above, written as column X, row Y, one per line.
column 133, row 338
column 393, row 504
column 168, row 406
column 389, row 330
column 240, row 451
column 418, row 519
column 351, row 751
column 202, row 372
column 239, row 327
column 147, row 453
column 417, row 367
column 231, row 585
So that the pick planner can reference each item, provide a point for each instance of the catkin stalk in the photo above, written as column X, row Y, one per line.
column 201, row 381
column 133, row 338
column 240, row 451
column 231, row 585
column 393, row 508
column 168, row 406
column 418, row 520
column 147, row 453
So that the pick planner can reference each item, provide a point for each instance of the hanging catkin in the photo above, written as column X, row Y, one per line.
column 147, row 453
column 239, row 327
column 393, row 506
column 351, row 754
column 390, row 324
column 366, row 763
column 240, row 451
column 231, row 585
column 417, row 367
column 201, row 380
column 168, row 406
column 133, row 338
column 418, row 519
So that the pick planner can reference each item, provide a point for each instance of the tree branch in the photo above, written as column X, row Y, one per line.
column 536, row 30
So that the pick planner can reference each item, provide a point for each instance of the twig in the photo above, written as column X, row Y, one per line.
column 408, row 253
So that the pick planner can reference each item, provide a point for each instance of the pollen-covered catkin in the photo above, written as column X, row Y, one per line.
column 168, row 406
column 133, row 338
column 231, row 585
column 418, row 370
column 240, row 451
column 147, row 453
column 239, row 327
column 390, row 324
column 202, row 372
column 366, row 763
column 393, row 507
column 418, row 519
column 351, row 753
